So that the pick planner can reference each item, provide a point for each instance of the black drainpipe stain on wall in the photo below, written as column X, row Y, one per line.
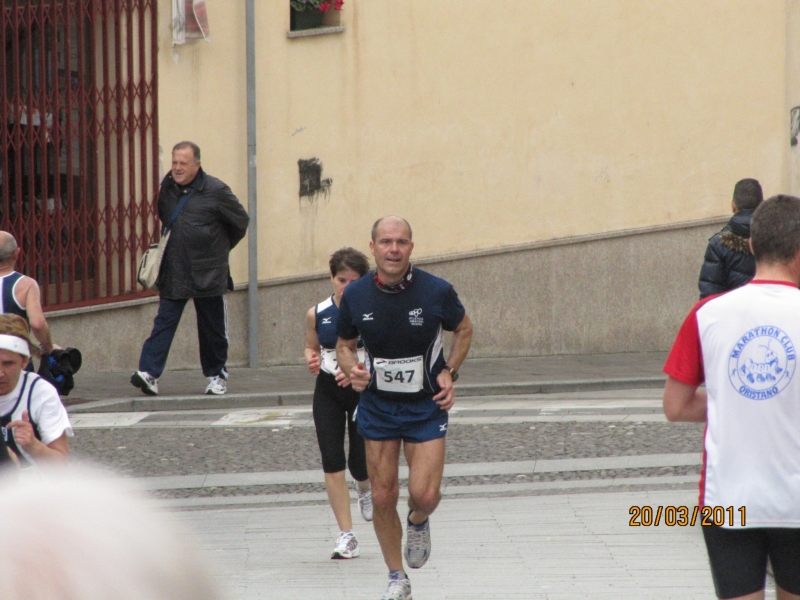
column 311, row 182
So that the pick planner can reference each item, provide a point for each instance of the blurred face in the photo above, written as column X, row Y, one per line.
column 392, row 250
column 184, row 167
column 341, row 280
column 11, row 365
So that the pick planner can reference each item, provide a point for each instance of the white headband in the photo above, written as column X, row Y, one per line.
column 15, row 344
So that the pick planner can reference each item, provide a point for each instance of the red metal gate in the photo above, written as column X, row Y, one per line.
column 79, row 143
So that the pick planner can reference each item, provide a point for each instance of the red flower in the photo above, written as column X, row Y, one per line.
column 337, row 4
column 324, row 6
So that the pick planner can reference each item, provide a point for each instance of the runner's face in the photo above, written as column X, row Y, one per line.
column 11, row 365
column 341, row 280
column 184, row 167
column 392, row 250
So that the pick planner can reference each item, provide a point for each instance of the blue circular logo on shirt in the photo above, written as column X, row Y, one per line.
column 762, row 363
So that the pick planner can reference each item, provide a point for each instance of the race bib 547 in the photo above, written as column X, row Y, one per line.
column 399, row 374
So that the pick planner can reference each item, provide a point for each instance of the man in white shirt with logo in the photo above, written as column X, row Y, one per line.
column 743, row 346
column 406, row 387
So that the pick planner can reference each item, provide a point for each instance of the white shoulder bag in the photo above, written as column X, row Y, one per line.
column 151, row 260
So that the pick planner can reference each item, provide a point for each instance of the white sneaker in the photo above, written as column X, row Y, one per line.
column 346, row 546
column 418, row 543
column 146, row 382
column 217, row 385
column 399, row 589
column 365, row 503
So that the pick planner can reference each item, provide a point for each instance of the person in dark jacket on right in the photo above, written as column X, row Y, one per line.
column 728, row 263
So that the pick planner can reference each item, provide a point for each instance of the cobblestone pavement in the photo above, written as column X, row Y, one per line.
column 148, row 452
column 505, row 430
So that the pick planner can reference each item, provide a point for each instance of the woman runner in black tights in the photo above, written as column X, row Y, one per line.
column 335, row 404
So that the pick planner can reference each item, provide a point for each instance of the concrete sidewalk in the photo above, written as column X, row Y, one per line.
column 287, row 385
column 559, row 547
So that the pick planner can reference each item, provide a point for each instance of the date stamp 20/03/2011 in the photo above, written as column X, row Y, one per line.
column 646, row 516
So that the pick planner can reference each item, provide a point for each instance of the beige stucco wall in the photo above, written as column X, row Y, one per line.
column 486, row 125
column 489, row 127
column 793, row 85
column 542, row 120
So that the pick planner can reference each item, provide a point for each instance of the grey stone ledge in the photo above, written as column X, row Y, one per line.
column 315, row 31
column 528, row 467
column 275, row 399
column 618, row 483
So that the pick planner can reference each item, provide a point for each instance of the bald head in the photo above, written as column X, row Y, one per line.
column 390, row 219
column 8, row 246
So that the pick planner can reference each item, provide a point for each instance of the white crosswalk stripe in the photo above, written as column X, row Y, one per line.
column 611, row 407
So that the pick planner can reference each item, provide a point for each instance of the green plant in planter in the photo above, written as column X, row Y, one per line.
column 320, row 5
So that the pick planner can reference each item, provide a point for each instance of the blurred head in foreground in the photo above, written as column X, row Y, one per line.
column 72, row 535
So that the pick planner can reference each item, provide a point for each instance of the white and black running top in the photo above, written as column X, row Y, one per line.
column 45, row 411
column 743, row 345
column 402, row 332
column 327, row 316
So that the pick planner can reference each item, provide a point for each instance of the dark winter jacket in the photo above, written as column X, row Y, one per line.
column 728, row 262
column 195, row 263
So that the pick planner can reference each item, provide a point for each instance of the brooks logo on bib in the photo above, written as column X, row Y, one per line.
column 399, row 374
column 762, row 363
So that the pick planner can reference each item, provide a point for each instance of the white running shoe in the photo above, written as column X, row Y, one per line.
column 418, row 543
column 346, row 546
column 365, row 503
column 217, row 385
column 146, row 382
column 399, row 589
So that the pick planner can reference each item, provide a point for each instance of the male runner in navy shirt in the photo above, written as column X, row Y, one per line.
column 406, row 387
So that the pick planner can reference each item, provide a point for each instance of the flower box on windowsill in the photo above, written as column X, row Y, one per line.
column 310, row 18
column 315, row 17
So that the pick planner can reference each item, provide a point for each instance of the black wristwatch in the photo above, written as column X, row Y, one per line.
column 453, row 372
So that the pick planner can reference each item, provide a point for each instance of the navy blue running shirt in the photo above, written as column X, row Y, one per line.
column 402, row 332
column 8, row 301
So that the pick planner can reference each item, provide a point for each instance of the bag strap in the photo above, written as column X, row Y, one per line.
column 7, row 418
column 30, row 417
column 168, row 225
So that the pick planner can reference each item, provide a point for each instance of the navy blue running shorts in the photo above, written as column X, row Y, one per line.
column 738, row 558
column 414, row 421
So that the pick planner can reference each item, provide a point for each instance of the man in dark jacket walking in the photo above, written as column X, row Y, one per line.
column 195, row 265
column 729, row 263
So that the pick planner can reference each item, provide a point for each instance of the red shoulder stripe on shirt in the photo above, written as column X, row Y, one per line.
column 685, row 360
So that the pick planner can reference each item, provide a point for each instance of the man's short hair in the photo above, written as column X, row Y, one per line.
column 747, row 194
column 8, row 248
column 775, row 230
column 378, row 222
column 195, row 149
